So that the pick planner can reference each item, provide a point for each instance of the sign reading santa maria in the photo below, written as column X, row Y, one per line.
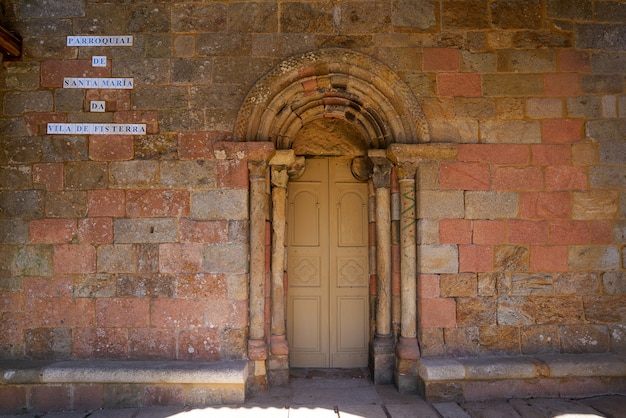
column 96, row 129
column 97, row 83
column 124, row 40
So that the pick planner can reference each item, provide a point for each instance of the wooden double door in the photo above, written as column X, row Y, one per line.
column 327, row 300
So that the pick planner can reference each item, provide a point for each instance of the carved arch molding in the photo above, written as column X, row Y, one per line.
column 367, row 94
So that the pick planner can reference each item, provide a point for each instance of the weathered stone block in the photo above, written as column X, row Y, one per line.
column 437, row 313
column 225, row 258
column 199, row 17
column 16, row 177
column 307, row 17
column 614, row 282
column 475, row 311
column 526, row 61
column 191, row 71
column 541, row 108
column 531, row 284
column 438, row 259
column 74, row 258
column 606, row 177
column 601, row 83
column 576, row 283
column 609, row 37
column 454, row 285
column 512, row 85
column 464, row 175
column 123, row 396
column 457, row 131
column 12, row 399
column 455, row 231
column 31, row 260
column 594, row 205
column 601, row 309
column 94, row 285
column 468, row 14
column 530, row 310
column 85, row 175
column 61, row 148
column 462, row 341
column 48, row 343
column 181, row 120
column 413, row 15
column 14, row 231
column 525, row 132
column 606, row 129
column 21, row 75
column 440, row 204
column 133, row 174
column 540, row 339
column 157, row 203
column 21, row 204
column 66, row 204
column 491, row 205
column 116, row 258
column 364, row 18
column 52, row 231
column 16, row 103
column 220, row 204
column 148, row 19
column 253, row 17
column 188, row 174
column 584, row 338
column 45, row 8
column 154, row 230
column 508, row 14
column 581, row 258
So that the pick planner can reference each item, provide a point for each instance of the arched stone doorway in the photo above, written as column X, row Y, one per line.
column 354, row 96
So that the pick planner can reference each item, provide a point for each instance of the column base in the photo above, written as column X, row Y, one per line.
column 278, row 364
column 383, row 359
column 405, row 373
column 257, row 349
column 278, row 373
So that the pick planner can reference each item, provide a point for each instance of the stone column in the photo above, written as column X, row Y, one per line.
column 407, row 350
column 382, row 346
column 279, row 363
column 257, row 347
column 406, row 158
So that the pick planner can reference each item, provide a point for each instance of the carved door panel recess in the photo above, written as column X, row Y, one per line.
column 327, row 267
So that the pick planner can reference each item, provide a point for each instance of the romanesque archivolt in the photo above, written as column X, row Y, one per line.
column 332, row 83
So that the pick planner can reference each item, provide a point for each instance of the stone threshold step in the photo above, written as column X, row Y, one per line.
column 15, row 372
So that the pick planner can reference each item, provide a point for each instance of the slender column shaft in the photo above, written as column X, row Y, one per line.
column 279, row 194
column 407, row 257
column 383, row 262
column 257, row 249
column 381, row 179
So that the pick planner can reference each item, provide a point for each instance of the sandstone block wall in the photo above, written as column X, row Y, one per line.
column 136, row 247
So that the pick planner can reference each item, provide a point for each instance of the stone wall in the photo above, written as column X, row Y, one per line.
column 136, row 247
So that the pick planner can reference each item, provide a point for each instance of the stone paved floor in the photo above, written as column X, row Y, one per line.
column 323, row 394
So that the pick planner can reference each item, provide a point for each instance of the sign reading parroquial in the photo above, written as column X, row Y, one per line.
column 98, row 61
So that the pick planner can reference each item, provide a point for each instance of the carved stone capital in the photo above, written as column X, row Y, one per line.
column 280, row 176
column 362, row 168
column 257, row 169
column 296, row 170
column 381, row 172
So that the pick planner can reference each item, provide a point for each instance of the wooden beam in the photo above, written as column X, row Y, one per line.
column 9, row 43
